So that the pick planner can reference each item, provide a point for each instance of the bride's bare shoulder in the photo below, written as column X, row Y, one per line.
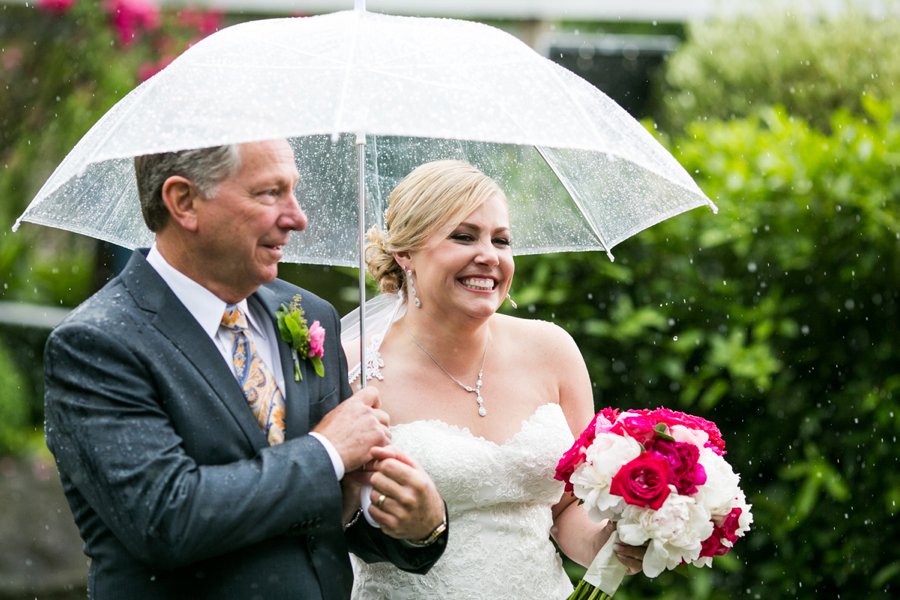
column 534, row 333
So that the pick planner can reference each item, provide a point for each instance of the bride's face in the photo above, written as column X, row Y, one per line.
column 470, row 268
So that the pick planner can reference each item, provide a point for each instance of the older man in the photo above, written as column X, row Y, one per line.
column 201, row 454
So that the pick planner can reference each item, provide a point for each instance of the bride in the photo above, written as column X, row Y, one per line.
column 486, row 403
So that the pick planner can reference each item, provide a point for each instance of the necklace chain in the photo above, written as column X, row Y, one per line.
column 482, row 411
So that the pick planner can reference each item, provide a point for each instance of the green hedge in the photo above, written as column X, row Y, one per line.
column 730, row 67
column 776, row 319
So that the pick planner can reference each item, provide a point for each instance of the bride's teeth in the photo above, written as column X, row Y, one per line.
column 484, row 284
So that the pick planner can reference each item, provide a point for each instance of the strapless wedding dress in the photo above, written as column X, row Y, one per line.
column 499, row 499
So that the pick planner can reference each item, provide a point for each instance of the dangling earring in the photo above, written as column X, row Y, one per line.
column 412, row 288
column 511, row 301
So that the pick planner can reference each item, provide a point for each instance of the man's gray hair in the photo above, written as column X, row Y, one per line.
column 204, row 167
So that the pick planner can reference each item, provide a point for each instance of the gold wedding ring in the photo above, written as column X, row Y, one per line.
column 380, row 502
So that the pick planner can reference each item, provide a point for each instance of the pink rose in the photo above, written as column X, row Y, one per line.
column 723, row 536
column 643, row 482
column 604, row 420
column 638, row 426
column 685, row 470
column 574, row 456
column 316, row 340
column 674, row 417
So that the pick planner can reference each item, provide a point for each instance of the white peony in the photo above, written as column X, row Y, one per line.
column 683, row 434
column 675, row 532
column 591, row 480
column 721, row 489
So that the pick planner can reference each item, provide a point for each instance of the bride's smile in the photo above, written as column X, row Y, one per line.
column 468, row 270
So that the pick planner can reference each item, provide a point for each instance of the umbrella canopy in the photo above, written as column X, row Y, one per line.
column 580, row 173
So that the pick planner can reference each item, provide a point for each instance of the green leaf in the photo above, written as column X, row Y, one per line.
column 318, row 366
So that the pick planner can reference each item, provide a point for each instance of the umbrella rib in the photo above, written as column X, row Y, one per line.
column 578, row 204
column 345, row 85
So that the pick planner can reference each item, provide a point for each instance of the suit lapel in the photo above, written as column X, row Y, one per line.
column 174, row 321
column 296, row 396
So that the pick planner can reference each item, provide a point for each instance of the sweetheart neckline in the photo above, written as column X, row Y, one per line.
column 468, row 432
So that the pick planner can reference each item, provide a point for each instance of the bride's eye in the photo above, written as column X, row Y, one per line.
column 502, row 241
column 461, row 237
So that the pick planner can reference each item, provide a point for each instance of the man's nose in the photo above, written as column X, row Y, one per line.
column 293, row 217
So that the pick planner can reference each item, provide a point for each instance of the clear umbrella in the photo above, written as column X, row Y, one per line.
column 364, row 98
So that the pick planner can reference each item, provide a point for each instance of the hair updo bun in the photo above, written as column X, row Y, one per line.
column 380, row 262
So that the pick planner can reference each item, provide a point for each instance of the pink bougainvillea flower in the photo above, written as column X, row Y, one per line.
column 203, row 22
column 55, row 6
column 130, row 17
column 148, row 70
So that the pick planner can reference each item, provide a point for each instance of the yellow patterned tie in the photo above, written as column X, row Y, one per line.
column 255, row 378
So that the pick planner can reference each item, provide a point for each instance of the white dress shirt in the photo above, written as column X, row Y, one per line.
column 207, row 309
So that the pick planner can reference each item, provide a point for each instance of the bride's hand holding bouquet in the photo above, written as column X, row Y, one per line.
column 660, row 476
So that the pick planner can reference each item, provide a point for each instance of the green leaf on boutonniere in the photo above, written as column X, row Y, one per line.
column 294, row 331
column 318, row 366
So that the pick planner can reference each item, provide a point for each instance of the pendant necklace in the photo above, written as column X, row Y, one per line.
column 482, row 411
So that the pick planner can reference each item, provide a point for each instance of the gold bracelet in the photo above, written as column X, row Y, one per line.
column 431, row 537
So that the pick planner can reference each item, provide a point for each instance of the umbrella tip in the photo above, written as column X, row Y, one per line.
column 15, row 226
column 610, row 255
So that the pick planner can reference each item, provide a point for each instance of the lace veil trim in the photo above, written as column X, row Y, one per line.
column 381, row 312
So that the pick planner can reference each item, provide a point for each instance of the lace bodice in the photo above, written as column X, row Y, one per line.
column 499, row 499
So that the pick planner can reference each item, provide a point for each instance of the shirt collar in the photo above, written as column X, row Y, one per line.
column 204, row 306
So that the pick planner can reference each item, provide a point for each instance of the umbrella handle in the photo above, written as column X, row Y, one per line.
column 361, row 159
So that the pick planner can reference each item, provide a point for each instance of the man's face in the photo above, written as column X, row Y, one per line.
column 243, row 226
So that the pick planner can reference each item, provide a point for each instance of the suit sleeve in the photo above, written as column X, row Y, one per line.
column 109, row 423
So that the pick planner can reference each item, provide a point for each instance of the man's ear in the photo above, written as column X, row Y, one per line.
column 181, row 197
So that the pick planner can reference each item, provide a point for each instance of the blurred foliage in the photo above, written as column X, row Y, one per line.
column 774, row 319
column 15, row 420
column 63, row 64
column 811, row 65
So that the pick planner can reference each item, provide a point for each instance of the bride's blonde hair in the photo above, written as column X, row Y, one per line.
column 434, row 197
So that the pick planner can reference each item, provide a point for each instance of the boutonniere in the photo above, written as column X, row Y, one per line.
column 306, row 341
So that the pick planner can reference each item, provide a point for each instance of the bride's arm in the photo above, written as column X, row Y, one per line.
column 579, row 537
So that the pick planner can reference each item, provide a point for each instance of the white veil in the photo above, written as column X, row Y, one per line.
column 381, row 312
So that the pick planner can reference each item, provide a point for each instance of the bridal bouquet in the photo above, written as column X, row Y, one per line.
column 661, row 476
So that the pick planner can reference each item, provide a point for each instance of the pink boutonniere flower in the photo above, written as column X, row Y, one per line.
column 307, row 342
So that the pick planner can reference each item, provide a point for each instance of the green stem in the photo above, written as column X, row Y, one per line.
column 585, row 591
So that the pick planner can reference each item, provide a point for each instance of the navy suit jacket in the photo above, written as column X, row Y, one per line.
column 170, row 479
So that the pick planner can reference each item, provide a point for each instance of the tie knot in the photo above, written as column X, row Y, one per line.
column 234, row 319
